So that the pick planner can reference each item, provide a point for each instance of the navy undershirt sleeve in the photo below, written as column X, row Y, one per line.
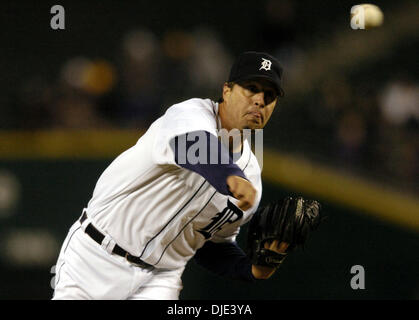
column 215, row 173
column 225, row 259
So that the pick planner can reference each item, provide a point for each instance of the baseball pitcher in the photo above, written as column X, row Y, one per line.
column 182, row 192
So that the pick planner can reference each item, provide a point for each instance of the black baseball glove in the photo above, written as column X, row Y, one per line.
column 290, row 221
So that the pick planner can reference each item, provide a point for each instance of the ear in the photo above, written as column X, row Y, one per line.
column 226, row 91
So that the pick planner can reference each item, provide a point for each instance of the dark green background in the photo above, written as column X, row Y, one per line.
column 54, row 192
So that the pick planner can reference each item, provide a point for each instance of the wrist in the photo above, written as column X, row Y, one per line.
column 262, row 272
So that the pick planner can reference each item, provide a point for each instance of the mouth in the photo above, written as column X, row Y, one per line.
column 256, row 115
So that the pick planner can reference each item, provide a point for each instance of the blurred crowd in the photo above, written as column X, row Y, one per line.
column 369, row 126
column 364, row 128
column 148, row 75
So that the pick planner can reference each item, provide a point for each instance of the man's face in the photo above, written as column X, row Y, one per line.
column 249, row 104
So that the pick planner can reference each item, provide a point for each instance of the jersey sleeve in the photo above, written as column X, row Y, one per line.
column 215, row 173
column 226, row 260
column 188, row 116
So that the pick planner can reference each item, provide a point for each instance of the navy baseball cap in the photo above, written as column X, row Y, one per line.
column 253, row 65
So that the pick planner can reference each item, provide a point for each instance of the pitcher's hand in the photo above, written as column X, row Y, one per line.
column 264, row 272
column 243, row 191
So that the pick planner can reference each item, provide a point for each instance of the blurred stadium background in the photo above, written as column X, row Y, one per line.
column 345, row 133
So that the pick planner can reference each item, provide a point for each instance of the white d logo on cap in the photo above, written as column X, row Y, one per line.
column 266, row 64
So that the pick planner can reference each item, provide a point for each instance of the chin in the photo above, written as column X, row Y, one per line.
column 254, row 126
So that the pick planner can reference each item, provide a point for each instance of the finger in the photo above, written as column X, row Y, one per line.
column 245, row 202
column 283, row 246
column 274, row 245
column 232, row 185
column 238, row 196
column 243, row 205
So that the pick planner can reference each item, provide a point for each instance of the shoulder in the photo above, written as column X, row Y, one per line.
column 194, row 107
column 190, row 115
column 193, row 114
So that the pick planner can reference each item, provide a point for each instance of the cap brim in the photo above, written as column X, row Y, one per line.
column 259, row 76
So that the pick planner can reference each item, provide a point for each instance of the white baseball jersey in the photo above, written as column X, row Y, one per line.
column 159, row 211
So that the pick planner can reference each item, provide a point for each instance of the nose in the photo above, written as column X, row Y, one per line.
column 259, row 99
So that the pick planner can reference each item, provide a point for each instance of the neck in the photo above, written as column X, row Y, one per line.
column 222, row 116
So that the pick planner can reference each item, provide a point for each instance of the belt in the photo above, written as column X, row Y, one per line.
column 97, row 236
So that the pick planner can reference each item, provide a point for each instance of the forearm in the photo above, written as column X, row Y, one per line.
column 262, row 272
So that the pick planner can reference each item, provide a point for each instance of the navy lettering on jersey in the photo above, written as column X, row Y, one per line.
column 230, row 214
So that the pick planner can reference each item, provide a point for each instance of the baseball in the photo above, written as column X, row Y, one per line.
column 370, row 15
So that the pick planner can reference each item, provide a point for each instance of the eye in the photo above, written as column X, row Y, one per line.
column 269, row 96
column 252, row 88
